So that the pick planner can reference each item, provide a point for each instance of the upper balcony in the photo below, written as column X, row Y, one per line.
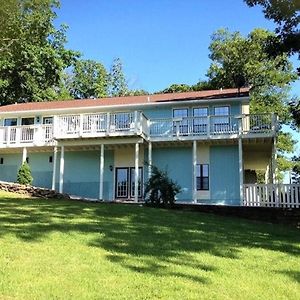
column 126, row 124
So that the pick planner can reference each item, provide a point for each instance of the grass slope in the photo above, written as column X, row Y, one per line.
column 69, row 250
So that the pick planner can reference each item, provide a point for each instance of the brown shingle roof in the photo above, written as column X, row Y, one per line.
column 115, row 101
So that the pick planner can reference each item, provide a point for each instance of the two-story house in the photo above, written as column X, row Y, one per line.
column 99, row 148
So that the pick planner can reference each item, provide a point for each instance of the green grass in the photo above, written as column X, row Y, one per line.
column 53, row 249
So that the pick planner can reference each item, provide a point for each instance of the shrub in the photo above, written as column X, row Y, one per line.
column 160, row 189
column 24, row 174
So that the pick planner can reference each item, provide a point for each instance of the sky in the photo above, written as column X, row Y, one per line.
column 160, row 42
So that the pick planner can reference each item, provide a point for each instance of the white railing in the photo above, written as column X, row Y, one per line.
column 26, row 134
column 272, row 195
column 97, row 125
column 212, row 125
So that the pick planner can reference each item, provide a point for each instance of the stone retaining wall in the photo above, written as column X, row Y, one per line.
column 31, row 190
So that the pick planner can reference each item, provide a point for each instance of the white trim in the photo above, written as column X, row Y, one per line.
column 241, row 172
column 194, row 171
column 149, row 159
column 24, row 155
column 136, row 173
column 101, row 172
column 54, row 168
column 61, row 168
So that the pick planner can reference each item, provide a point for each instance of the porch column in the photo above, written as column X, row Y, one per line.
column 101, row 172
column 24, row 155
column 136, row 173
column 149, row 159
column 61, row 168
column 54, row 168
column 274, row 161
column 194, row 171
column 241, row 172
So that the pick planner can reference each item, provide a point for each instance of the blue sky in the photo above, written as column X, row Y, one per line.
column 160, row 42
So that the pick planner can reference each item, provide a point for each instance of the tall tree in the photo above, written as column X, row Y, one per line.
column 89, row 80
column 117, row 82
column 32, row 51
column 243, row 61
column 286, row 14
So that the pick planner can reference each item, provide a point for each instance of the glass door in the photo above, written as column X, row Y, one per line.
column 122, row 182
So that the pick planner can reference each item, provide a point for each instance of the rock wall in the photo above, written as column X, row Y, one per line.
column 31, row 190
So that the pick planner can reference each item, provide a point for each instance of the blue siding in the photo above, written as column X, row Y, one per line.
column 224, row 175
column 178, row 163
column 81, row 176
column 9, row 170
column 41, row 169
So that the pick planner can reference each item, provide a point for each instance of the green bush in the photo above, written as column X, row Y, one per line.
column 160, row 189
column 24, row 174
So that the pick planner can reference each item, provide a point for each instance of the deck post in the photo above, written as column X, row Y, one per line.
column 241, row 172
column 149, row 159
column 136, row 173
column 54, row 168
column 24, row 155
column 101, row 172
column 195, row 171
column 274, row 161
column 61, row 168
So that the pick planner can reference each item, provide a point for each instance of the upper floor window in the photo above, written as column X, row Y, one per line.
column 200, row 119
column 180, row 120
column 221, row 119
column 27, row 121
column 10, row 122
column 200, row 112
column 47, row 120
column 221, row 111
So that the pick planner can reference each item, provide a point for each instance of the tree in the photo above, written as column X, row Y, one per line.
column 33, row 55
column 160, row 189
column 89, row 80
column 117, row 82
column 286, row 14
column 24, row 174
column 243, row 61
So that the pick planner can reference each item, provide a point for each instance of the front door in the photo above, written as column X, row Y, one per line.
column 125, row 182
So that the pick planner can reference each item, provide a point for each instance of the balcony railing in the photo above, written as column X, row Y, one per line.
column 137, row 124
column 26, row 134
column 212, row 125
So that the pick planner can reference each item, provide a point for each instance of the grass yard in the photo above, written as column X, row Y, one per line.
column 51, row 249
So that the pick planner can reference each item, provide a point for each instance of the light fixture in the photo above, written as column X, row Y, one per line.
column 111, row 167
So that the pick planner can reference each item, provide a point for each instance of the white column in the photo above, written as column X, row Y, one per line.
column 274, row 161
column 61, row 168
column 24, row 155
column 149, row 159
column 54, row 168
column 195, row 171
column 136, row 173
column 101, row 172
column 241, row 172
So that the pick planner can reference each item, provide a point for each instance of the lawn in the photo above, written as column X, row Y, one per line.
column 54, row 249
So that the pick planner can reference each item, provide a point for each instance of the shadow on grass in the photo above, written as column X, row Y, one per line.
column 146, row 240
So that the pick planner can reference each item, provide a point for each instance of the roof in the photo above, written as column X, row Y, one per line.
column 127, row 100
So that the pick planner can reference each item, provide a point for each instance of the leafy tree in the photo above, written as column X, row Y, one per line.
column 137, row 93
column 24, row 174
column 238, row 61
column 160, row 189
column 285, row 14
column 177, row 88
column 117, row 82
column 89, row 80
column 33, row 55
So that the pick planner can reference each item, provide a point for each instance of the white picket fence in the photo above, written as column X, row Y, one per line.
column 272, row 195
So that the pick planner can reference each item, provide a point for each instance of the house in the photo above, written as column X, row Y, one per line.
column 99, row 148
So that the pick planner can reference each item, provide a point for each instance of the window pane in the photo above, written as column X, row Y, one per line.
column 48, row 120
column 180, row 113
column 221, row 110
column 205, row 185
column 205, row 170
column 27, row 121
column 200, row 112
column 198, row 170
column 10, row 122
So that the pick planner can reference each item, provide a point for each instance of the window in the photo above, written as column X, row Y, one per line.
column 10, row 122
column 200, row 119
column 202, row 173
column 180, row 122
column 1, row 161
column 47, row 120
column 221, row 119
column 27, row 121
